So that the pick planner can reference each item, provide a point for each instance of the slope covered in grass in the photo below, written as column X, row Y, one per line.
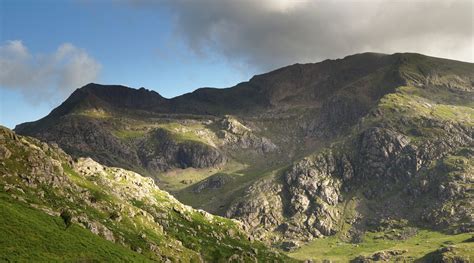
column 29, row 235
column 416, row 247
column 55, row 208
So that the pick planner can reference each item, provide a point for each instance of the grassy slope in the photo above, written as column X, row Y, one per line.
column 178, row 232
column 31, row 235
column 132, row 127
column 217, row 200
column 179, row 179
column 417, row 246
column 411, row 101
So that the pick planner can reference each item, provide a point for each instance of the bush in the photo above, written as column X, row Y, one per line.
column 66, row 215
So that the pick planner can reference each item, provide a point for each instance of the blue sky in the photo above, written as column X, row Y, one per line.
column 135, row 46
column 49, row 48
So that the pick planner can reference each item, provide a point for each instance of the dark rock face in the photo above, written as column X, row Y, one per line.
column 82, row 136
column 262, row 207
column 213, row 182
column 161, row 152
column 378, row 150
column 237, row 136
column 88, row 137
column 339, row 113
column 123, row 97
column 198, row 155
column 95, row 96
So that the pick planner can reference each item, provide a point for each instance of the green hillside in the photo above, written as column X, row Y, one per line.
column 29, row 235
column 57, row 209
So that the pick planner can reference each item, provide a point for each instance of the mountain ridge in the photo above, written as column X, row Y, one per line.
column 152, row 98
column 303, row 152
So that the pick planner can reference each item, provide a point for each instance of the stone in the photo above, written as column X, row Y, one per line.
column 4, row 153
column 290, row 245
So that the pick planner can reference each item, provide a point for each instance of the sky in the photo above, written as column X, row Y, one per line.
column 49, row 48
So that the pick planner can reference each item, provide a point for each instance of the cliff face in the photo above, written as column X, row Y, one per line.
column 379, row 174
column 332, row 148
column 161, row 152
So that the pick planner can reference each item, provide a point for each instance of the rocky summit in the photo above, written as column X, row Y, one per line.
column 365, row 158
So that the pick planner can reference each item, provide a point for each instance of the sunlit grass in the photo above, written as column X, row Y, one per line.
column 29, row 235
column 332, row 248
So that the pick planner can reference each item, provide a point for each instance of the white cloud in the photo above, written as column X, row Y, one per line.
column 272, row 33
column 45, row 77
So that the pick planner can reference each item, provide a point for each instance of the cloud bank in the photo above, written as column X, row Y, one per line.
column 271, row 33
column 45, row 77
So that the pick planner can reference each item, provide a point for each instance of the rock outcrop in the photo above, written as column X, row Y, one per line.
column 384, row 256
column 237, row 136
column 427, row 180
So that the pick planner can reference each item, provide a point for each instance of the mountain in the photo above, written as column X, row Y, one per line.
column 55, row 208
column 311, row 102
column 365, row 148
